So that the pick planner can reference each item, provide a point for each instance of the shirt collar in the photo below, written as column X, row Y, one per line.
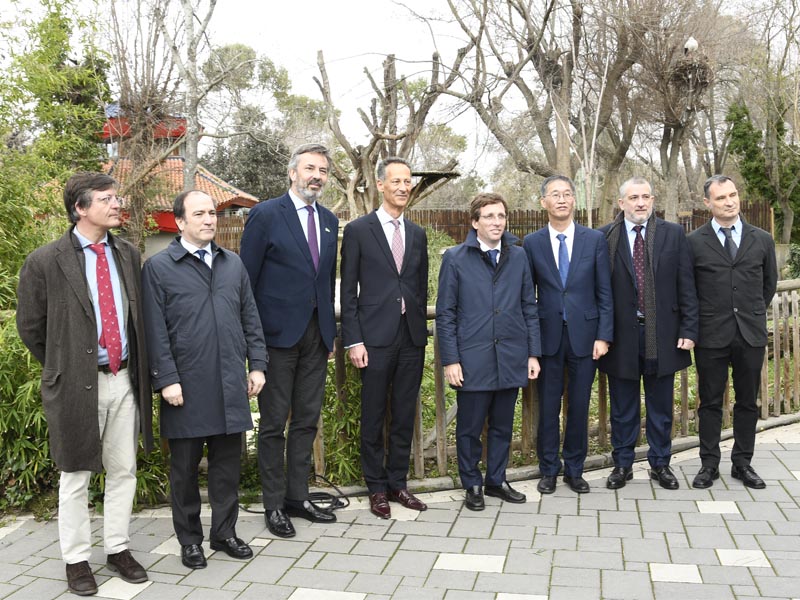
column 737, row 226
column 86, row 241
column 569, row 231
column 192, row 249
column 384, row 217
column 629, row 225
column 486, row 247
column 299, row 203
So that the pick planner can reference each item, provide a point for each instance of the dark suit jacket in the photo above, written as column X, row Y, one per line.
column 733, row 293
column 371, row 288
column 587, row 296
column 56, row 321
column 676, row 304
column 286, row 287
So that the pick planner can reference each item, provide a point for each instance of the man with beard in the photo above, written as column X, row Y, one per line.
column 384, row 299
column 655, row 327
column 289, row 248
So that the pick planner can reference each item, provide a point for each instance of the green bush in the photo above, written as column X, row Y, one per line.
column 793, row 262
column 25, row 466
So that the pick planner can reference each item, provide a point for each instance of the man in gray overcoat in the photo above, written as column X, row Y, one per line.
column 203, row 333
column 79, row 313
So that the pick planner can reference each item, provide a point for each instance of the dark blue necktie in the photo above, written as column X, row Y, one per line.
column 563, row 259
column 202, row 254
column 493, row 257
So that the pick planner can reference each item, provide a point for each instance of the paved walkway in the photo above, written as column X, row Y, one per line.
column 637, row 543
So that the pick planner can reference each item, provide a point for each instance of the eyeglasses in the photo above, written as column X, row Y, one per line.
column 107, row 200
column 560, row 195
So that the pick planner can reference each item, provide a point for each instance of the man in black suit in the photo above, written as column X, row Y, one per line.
column 289, row 249
column 384, row 293
column 736, row 276
column 655, row 327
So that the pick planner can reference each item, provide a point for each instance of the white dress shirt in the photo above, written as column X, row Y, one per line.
column 569, row 232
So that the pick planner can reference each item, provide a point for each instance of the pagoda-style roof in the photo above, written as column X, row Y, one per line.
column 168, row 183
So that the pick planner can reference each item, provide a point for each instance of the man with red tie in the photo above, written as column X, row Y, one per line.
column 79, row 313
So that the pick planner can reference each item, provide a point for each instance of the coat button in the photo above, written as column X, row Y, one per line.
column 397, row 299
column 88, row 387
column 496, row 341
column 497, row 311
column 735, row 310
column 89, row 350
column 155, row 371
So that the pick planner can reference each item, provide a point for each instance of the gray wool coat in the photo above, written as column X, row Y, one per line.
column 203, row 332
column 56, row 321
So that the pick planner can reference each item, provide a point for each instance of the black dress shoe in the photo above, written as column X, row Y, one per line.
column 577, row 484
column 80, row 579
column 747, row 475
column 233, row 547
column 192, row 556
column 547, row 484
column 619, row 477
column 474, row 498
column 705, row 478
column 665, row 477
column 278, row 523
column 504, row 492
column 309, row 511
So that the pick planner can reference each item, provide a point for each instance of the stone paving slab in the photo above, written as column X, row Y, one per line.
column 637, row 543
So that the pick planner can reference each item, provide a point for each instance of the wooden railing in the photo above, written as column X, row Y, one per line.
column 780, row 394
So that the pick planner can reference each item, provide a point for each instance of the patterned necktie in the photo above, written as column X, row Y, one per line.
column 397, row 252
column 109, row 337
column 638, row 264
column 730, row 245
column 313, row 246
column 563, row 259
column 202, row 254
column 493, row 256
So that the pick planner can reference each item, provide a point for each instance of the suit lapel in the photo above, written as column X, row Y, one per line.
column 408, row 244
column 578, row 247
column 73, row 270
column 747, row 240
column 546, row 249
column 711, row 239
column 293, row 223
column 624, row 252
column 380, row 238
column 658, row 243
column 326, row 233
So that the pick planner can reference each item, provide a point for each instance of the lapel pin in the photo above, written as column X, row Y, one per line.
column 327, row 230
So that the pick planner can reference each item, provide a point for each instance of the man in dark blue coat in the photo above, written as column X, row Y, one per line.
column 289, row 248
column 488, row 329
column 570, row 270
column 203, row 332
column 655, row 327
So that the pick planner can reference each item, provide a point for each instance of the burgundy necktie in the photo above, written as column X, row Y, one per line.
column 397, row 252
column 312, row 238
column 110, row 337
column 638, row 264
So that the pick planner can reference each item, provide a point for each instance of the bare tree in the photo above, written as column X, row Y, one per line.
column 395, row 120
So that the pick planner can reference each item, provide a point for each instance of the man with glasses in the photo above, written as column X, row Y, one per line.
column 570, row 269
column 488, row 331
column 655, row 327
column 384, row 294
column 79, row 313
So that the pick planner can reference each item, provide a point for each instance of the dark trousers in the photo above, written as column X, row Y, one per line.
column 712, row 373
column 626, row 414
column 399, row 366
column 581, row 370
column 224, row 466
column 296, row 383
column 473, row 408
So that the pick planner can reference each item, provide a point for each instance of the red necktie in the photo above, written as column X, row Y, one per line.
column 638, row 264
column 109, row 338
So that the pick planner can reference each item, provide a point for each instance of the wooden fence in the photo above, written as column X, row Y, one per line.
column 779, row 394
column 456, row 222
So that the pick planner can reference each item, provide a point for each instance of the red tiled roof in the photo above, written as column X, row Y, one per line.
column 168, row 183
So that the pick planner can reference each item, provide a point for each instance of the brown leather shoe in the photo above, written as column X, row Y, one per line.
column 407, row 499
column 128, row 567
column 80, row 579
column 379, row 505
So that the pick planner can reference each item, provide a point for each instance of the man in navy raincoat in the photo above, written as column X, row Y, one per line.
column 488, row 328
